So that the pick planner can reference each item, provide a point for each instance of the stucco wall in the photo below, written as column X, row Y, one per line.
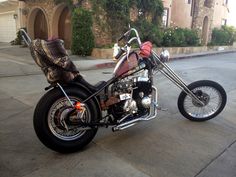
column 180, row 14
column 220, row 12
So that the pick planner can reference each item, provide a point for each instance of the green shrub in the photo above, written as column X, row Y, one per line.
column 118, row 13
column 154, row 8
column 118, row 16
column 191, row 37
column 223, row 36
column 180, row 37
column 18, row 40
column 148, row 31
column 82, row 35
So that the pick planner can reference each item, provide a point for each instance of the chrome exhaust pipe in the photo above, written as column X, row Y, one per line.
column 150, row 116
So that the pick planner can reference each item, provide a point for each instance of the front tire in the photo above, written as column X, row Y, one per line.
column 55, row 137
column 210, row 93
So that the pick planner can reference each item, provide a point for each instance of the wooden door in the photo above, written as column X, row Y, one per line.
column 40, row 26
column 64, row 28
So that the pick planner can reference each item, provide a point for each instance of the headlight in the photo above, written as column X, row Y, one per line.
column 165, row 56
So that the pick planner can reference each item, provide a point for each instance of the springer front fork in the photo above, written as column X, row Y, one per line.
column 173, row 77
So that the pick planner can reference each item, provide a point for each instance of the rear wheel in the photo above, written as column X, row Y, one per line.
column 210, row 93
column 58, row 131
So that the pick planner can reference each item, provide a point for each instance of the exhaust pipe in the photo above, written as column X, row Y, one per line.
column 152, row 114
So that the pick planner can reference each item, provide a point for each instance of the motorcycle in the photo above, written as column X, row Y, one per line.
column 68, row 116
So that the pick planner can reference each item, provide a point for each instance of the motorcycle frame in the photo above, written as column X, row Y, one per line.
column 163, row 68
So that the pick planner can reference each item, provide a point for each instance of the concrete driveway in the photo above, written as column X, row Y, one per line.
column 169, row 146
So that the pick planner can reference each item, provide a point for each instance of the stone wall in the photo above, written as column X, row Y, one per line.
column 174, row 51
column 46, row 6
column 101, row 33
column 201, row 12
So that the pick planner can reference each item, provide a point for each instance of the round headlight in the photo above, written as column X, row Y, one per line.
column 165, row 55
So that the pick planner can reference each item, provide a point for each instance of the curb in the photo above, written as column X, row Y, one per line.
column 200, row 55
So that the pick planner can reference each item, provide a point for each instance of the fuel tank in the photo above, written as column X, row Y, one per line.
column 126, row 64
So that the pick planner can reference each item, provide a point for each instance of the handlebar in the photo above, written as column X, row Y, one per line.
column 131, row 40
column 128, row 41
column 25, row 37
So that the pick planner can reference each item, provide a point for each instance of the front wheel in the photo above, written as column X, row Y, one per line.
column 210, row 93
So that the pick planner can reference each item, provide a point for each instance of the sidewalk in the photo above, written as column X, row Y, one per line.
column 86, row 63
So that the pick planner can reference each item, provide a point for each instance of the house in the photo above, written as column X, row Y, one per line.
column 202, row 15
column 8, row 20
column 45, row 18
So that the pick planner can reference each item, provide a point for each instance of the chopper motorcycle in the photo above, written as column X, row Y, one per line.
column 68, row 116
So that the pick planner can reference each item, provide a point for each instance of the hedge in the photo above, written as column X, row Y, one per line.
column 82, row 35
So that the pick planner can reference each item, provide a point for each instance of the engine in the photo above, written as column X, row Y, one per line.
column 134, row 96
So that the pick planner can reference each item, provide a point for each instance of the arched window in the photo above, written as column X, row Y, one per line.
column 208, row 3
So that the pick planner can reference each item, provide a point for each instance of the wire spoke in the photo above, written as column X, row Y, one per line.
column 212, row 100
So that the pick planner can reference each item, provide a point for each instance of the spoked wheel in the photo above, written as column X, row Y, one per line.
column 66, row 128
column 56, row 129
column 211, row 94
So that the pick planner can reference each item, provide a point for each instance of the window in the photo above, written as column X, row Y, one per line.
column 224, row 22
column 165, row 17
column 208, row 3
column 225, row 2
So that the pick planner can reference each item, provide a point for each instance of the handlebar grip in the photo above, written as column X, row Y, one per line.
column 119, row 54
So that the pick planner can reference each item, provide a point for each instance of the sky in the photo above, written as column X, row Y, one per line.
column 232, row 14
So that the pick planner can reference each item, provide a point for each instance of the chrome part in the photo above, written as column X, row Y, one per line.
column 80, row 114
column 142, row 79
column 57, row 124
column 125, row 117
column 25, row 37
column 212, row 100
column 63, row 91
column 165, row 55
column 173, row 77
column 130, row 106
column 62, row 118
column 122, row 128
column 125, row 96
column 141, row 94
column 152, row 114
column 146, row 102
column 137, row 35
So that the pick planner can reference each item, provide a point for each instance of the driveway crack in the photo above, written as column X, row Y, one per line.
column 207, row 165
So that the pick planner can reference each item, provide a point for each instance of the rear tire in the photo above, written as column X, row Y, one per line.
column 52, row 136
column 196, row 112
